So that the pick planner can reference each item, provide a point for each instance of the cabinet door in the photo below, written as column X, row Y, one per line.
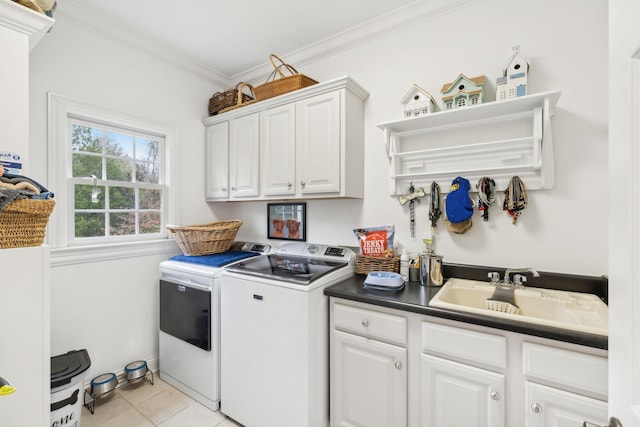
column 368, row 382
column 24, row 359
column 217, row 161
column 547, row 406
column 243, row 156
column 319, row 138
column 456, row 395
column 277, row 151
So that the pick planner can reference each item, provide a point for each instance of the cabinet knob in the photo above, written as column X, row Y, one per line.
column 365, row 323
column 233, row 188
column 303, row 183
column 495, row 395
column 398, row 365
column 536, row 408
column 288, row 185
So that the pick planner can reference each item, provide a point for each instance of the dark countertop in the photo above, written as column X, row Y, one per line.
column 415, row 298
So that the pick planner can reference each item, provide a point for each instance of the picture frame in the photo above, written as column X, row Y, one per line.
column 287, row 221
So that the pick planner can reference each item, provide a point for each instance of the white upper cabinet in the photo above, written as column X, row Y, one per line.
column 244, row 157
column 217, row 166
column 278, row 150
column 304, row 144
column 319, row 144
column 496, row 139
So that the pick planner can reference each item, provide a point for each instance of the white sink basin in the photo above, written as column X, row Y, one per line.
column 561, row 309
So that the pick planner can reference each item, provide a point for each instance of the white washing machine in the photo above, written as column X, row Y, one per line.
column 275, row 335
column 189, row 336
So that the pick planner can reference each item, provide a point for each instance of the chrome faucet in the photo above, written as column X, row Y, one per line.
column 518, row 279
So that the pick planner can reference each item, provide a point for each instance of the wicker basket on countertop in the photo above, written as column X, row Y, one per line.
column 23, row 222
column 367, row 264
column 205, row 239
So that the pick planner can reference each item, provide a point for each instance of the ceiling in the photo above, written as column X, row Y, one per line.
column 231, row 38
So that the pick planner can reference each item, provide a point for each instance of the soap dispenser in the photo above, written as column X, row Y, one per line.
column 404, row 265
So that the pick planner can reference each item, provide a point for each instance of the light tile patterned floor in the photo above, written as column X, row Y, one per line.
column 144, row 405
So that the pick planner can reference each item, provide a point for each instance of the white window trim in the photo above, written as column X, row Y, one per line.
column 59, row 167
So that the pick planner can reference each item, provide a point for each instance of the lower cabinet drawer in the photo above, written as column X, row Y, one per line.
column 472, row 346
column 573, row 370
column 370, row 323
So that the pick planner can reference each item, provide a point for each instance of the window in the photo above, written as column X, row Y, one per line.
column 109, row 174
column 117, row 181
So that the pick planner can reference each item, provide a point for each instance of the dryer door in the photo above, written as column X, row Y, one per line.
column 185, row 313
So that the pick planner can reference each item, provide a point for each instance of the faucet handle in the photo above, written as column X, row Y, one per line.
column 519, row 280
column 494, row 276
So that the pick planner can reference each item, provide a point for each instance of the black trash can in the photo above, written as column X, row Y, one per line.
column 67, row 387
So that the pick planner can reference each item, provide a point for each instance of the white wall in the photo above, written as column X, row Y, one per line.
column 111, row 307
column 563, row 229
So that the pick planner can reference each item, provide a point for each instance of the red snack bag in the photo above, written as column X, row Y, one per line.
column 374, row 241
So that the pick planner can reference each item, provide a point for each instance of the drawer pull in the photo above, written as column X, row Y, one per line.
column 495, row 395
column 536, row 408
column 365, row 323
column 398, row 365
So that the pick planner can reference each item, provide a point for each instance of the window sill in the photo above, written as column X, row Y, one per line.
column 85, row 254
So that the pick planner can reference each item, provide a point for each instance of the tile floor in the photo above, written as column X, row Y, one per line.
column 144, row 405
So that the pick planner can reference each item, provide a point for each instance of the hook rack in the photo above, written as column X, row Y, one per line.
column 497, row 139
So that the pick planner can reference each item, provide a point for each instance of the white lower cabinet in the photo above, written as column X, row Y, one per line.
column 368, row 383
column 564, row 388
column 395, row 368
column 455, row 394
column 548, row 406
column 372, row 386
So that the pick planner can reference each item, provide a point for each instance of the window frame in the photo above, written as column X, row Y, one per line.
column 62, row 111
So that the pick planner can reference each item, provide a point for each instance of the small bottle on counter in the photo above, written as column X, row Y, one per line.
column 404, row 265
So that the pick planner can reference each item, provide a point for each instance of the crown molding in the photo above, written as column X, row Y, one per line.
column 398, row 20
column 79, row 14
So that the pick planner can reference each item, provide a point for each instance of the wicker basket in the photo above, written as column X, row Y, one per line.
column 23, row 222
column 367, row 264
column 228, row 98
column 285, row 84
column 241, row 102
column 205, row 239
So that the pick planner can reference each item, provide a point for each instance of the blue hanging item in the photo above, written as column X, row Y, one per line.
column 459, row 207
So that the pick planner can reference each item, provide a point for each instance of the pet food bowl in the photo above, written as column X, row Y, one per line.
column 103, row 384
column 135, row 370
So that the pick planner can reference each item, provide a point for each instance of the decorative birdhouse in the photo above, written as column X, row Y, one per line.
column 513, row 82
column 463, row 91
column 417, row 102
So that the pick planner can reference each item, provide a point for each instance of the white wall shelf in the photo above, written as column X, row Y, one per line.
column 496, row 139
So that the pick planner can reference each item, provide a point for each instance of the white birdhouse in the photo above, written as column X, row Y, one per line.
column 417, row 102
column 513, row 82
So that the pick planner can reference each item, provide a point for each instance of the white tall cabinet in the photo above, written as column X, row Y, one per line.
column 24, row 284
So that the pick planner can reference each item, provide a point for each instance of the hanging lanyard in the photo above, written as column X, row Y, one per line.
column 486, row 195
column 434, row 207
